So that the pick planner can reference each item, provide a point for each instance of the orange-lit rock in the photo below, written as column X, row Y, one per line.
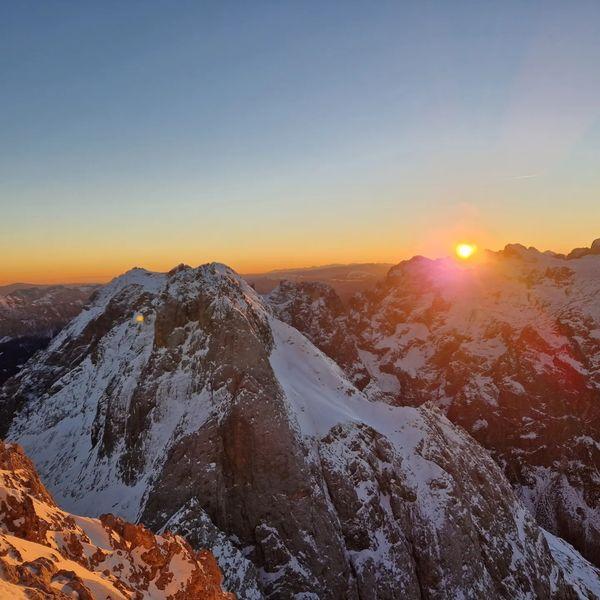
column 48, row 553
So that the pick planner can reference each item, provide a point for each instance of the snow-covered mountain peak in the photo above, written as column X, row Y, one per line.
column 181, row 400
column 227, row 289
column 134, row 298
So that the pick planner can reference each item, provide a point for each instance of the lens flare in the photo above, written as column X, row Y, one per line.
column 465, row 251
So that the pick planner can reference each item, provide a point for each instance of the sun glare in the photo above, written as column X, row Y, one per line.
column 465, row 251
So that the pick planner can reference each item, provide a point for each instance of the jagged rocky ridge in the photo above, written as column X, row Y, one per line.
column 46, row 552
column 180, row 401
column 508, row 346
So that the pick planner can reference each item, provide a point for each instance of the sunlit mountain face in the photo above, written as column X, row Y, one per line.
column 506, row 343
column 46, row 552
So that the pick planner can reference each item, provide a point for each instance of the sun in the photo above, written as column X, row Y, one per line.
column 465, row 251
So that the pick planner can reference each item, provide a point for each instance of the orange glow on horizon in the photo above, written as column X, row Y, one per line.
column 91, row 263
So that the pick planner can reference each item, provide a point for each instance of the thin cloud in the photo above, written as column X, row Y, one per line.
column 526, row 176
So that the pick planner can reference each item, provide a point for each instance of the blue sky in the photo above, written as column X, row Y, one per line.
column 267, row 134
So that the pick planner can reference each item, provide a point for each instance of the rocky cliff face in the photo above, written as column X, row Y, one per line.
column 46, row 552
column 181, row 401
column 509, row 348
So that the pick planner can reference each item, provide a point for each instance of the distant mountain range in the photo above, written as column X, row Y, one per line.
column 30, row 315
column 346, row 280
column 39, row 310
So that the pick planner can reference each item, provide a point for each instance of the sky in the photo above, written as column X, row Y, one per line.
column 285, row 134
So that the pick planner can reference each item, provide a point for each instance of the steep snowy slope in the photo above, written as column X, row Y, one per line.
column 577, row 570
column 179, row 400
column 316, row 310
column 48, row 553
column 509, row 347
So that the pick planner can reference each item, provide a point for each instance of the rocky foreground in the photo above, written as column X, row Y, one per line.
column 48, row 553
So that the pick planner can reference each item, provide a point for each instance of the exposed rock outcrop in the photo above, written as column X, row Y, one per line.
column 46, row 552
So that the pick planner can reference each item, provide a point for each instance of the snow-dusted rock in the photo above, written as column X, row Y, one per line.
column 581, row 575
column 509, row 346
column 179, row 400
column 317, row 311
column 46, row 552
